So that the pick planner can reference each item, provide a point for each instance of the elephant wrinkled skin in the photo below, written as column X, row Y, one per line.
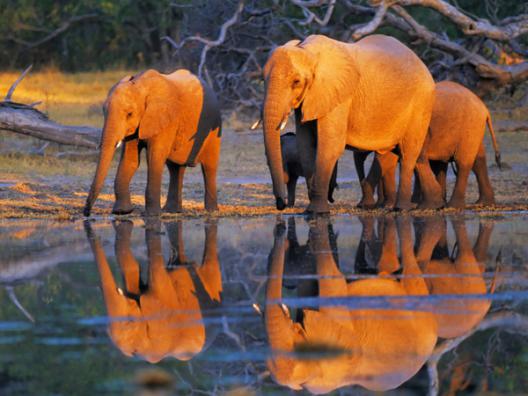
column 176, row 117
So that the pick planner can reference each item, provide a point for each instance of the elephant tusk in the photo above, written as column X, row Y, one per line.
column 283, row 124
column 256, row 124
column 285, row 310
column 119, row 144
column 257, row 309
column 120, row 291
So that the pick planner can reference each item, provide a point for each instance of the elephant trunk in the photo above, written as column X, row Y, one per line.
column 275, row 113
column 108, row 145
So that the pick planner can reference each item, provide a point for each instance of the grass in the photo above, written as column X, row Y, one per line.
column 34, row 182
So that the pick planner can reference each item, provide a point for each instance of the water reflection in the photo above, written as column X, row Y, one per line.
column 331, row 346
column 157, row 312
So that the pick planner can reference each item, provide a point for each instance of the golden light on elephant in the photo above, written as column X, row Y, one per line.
column 378, row 348
column 375, row 94
column 162, row 317
column 176, row 119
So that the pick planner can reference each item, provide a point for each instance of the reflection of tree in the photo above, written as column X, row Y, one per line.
column 158, row 313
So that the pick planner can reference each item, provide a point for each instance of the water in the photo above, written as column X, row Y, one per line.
column 411, row 305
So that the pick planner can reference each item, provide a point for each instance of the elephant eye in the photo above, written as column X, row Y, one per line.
column 129, row 114
column 296, row 83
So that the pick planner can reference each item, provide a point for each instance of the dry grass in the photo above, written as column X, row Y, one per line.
column 34, row 186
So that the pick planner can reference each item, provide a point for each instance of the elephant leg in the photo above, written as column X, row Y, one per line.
column 292, row 184
column 330, row 145
column 306, row 147
column 480, row 169
column 175, row 193
column 368, row 185
column 367, row 198
column 209, row 176
column 431, row 191
column 459, row 193
column 388, row 163
column 380, row 189
column 128, row 165
column 417, row 190
column 333, row 185
column 155, row 161
column 440, row 170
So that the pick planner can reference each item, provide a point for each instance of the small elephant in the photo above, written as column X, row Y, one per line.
column 456, row 135
column 176, row 117
column 293, row 168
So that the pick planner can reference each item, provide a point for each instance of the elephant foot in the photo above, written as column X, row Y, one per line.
column 485, row 201
column 211, row 207
column 431, row 204
column 172, row 209
column 386, row 205
column 152, row 212
column 366, row 204
column 456, row 204
column 403, row 206
column 122, row 208
column 317, row 208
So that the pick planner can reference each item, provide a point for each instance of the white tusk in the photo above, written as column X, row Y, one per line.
column 120, row 291
column 256, row 124
column 257, row 308
column 285, row 310
column 119, row 144
column 283, row 124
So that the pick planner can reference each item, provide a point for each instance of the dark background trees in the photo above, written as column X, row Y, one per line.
column 481, row 43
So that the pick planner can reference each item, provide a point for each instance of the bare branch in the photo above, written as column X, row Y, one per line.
column 373, row 24
column 15, row 84
column 311, row 16
column 209, row 43
column 472, row 27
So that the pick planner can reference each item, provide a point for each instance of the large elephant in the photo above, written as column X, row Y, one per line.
column 176, row 117
column 456, row 134
column 378, row 348
column 293, row 169
column 375, row 95
column 460, row 278
column 160, row 316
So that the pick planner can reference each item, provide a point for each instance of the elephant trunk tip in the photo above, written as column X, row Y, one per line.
column 280, row 203
column 498, row 160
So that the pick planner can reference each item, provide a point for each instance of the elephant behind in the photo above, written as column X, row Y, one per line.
column 291, row 164
column 176, row 118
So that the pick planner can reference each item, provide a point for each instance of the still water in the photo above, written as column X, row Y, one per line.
column 342, row 305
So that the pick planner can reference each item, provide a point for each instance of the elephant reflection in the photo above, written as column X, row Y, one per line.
column 378, row 349
column 459, row 276
column 160, row 316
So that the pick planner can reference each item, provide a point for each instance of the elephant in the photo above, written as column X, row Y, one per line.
column 373, row 95
column 460, row 275
column 160, row 316
column 378, row 348
column 293, row 169
column 456, row 135
column 176, row 117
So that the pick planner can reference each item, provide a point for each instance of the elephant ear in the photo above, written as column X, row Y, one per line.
column 335, row 77
column 159, row 107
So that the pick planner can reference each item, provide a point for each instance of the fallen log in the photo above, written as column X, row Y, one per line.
column 27, row 120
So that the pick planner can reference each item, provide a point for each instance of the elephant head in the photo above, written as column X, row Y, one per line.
column 315, row 76
column 162, row 316
column 376, row 348
column 461, row 276
column 132, row 110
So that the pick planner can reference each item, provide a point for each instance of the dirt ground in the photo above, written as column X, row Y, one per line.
column 43, row 186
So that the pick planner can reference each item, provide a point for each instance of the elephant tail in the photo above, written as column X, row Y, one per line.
column 494, row 141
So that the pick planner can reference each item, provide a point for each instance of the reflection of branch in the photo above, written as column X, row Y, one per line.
column 209, row 43
column 14, row 299
column 513, row 321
